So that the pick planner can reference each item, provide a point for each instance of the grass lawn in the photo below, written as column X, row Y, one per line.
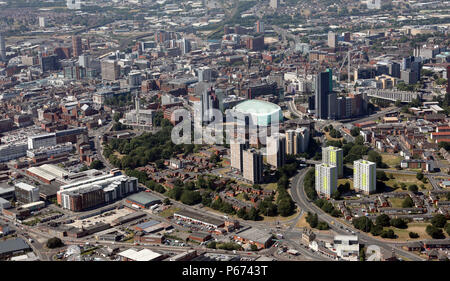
column 391, row 160
column 280, row 218
column 168, row 212
column 407, row 179
column 396, row 202
column 270, row 186
column 417, row 227
column 343, row 181
column 328, row 137
column 302, row 222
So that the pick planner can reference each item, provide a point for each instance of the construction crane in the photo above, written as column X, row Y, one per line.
column 348, row 58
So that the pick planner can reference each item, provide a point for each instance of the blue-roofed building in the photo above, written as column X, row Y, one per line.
column 145, row 225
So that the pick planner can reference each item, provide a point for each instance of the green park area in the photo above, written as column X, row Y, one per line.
column 401, row 182
column 391, row 160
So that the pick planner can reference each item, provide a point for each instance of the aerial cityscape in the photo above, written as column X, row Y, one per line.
column 224, row 130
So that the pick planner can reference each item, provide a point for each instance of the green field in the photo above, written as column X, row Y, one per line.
column 391, row 160
column 396, row 202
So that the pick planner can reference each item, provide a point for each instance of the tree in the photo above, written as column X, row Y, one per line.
column 253, row 247
column 413, row 188
column 408, row 202
column 376, row 230
column 355, row 131
column 413, row 235
column 323, row 225
column 54, row 242
column 381, row 176
column 359, row 140
column 373, row 156
column 383, row 220
column 419, row 176
column 388, row 234
column 434, row 232
column 363, row 223
column 96, row 164
column 399, row 223
column 312, row 219
column 166, row 201
column 439, row 220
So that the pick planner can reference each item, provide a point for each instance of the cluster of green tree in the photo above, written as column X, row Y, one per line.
column 327, row 207
column 314, row 222
column 335, row 134
column 120, row 127
column 309, row 182
column 354, row 151
column 284, row 202
column 144, row 149
column 374, row 156
column 365, row 224
column 438, row 222
column 252, row 214
column 355, row 131
column 96, row 164
column 120, row 100
column 159, row 121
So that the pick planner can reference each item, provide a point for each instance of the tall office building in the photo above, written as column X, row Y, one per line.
column 49, row 63
column 236, row 151
column 259, row 26
column 134, row 78
column 208, row 101
column 332, row 39
column 276, row 150
column 252, row 165
column 77, row 47
column 365, row 176
column 42, row 22
column 326, row 179
column 185, row 46
column 110, row 70
column 274, row 4
column 2, row 47
column 322, row 90
column 297, row 141
column 334, row 156
column 332, row 105
column 204, row 74
column 374, row 4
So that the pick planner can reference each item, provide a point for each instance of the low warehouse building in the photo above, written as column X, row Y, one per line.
column 143, row 200
column 254, row 236
column 12, row 247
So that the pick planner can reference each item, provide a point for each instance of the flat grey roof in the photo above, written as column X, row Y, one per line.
column 199, row 217
column 255, row 235
column 143, row 198
column 13, row 245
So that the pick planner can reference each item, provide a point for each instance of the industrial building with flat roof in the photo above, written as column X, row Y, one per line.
column 254, row 236
column 143, row 200
column 11, row 247
column 142, row 255
column 198, row 218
